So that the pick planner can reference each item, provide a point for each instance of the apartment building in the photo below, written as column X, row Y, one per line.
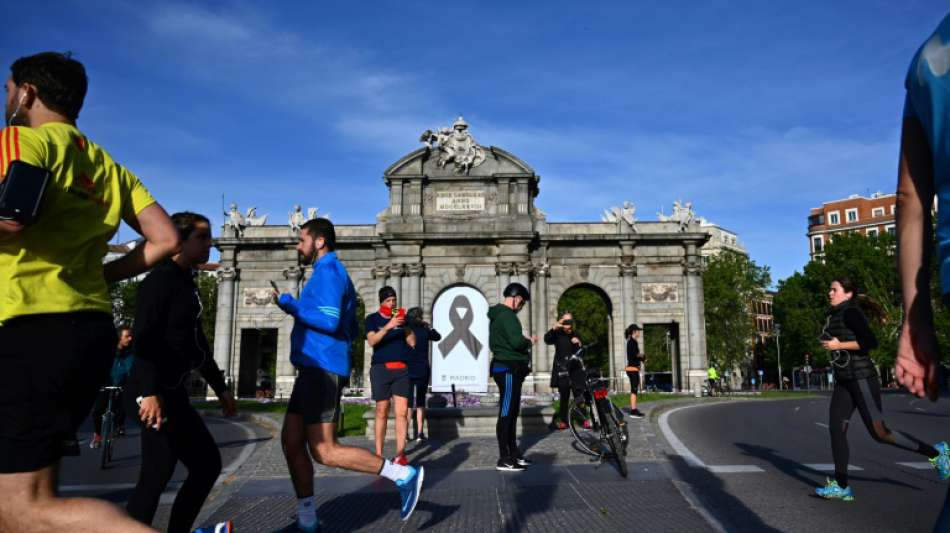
column 869, row 216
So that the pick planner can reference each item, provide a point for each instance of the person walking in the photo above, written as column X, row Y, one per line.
column 565, row 342
column 389, row 371
column 848, row 338
column 120, row 372
column 169, row 343
column 419, row 368
column 510, row 364
column 53, row 286
column 634, row 368
column 321, row 347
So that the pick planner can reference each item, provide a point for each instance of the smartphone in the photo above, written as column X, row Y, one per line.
column 138, row 401
column 21, row 192
column 274, row 285
column 825, row 336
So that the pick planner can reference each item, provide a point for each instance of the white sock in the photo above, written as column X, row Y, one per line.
column 393, row 471
column 306, row 511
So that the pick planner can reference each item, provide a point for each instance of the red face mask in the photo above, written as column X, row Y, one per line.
column 386, row 311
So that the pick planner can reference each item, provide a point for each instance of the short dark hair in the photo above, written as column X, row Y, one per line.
column 123, row 327
column 60, row 80
column 385, row 293
column 185, row 222
column 516, row 289
column 321, row 227
column 630, row 329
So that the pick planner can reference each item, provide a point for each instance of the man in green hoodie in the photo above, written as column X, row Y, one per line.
column 510, row 364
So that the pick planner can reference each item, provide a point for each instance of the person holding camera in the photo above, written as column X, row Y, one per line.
column 565, row 342
column 419, row 369
column 389, row 373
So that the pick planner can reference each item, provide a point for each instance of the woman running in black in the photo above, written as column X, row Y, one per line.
column 169, row 344
column 848, row 338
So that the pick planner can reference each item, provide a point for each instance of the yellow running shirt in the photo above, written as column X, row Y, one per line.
column 55, row 264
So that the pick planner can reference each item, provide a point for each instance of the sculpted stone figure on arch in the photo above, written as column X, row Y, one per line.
column 455, row 146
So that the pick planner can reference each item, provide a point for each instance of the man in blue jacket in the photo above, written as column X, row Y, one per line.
column 320, row 348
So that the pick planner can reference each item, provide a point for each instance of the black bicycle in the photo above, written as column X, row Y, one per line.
column 108, row 426
column 605, row 431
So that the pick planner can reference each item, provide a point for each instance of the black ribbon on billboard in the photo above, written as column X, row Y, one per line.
column 461, row 329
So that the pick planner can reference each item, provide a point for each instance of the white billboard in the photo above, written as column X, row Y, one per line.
column 460, row 314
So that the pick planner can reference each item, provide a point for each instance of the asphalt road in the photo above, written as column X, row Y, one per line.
column 82, row 476
column 764, row 459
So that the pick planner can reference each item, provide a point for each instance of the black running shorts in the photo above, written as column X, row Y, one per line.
column 51, row 369
column 316, row 396
column 634, row 382
column 387, row 382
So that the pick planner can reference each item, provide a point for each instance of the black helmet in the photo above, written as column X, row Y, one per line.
column 517, row 289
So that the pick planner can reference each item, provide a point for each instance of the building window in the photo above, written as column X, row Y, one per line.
column 872, row 232
column 833, row 218
column 851, row 215
column 893, row 208
column 877, row 212
column 818, row 244
column 890, row 229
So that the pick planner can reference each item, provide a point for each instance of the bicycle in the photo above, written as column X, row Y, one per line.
column 608, row 430
column 108, row 426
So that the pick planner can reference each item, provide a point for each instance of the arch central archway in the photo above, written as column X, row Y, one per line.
column 593, row 318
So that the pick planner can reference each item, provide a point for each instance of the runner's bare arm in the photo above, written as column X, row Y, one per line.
column 9, row 228
column 161, row 241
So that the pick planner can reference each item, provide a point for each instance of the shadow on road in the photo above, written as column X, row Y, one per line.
column 797, row 470
column 710, row 490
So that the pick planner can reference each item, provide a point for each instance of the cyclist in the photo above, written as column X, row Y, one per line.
column 321, row 344
column 510, row 364
column 848, row 338
column 565, row 342
column 635, row 361
column 169, row 344
column 120, row 371
column 53, row 287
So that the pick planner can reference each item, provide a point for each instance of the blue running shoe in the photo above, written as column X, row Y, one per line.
column 315, row 528
column 221, row 527
column 941, row 462
column 410, row 488
column 832, row 491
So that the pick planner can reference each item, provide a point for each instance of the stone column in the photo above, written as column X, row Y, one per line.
column 696, row 325
column 413, row 297
column 539, row 295
column 628, row 272
column 503, row 273
column 381, row 277
column 396, row 277
column 224, row 322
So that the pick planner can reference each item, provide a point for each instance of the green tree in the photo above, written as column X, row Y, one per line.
column 655, row 347
column 731, row 282
column 124, row 295
column 208, row 293
column 591, row 319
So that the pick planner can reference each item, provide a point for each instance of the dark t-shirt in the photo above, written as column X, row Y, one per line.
column 419, row 356
column 393, row 347
column 633, row 353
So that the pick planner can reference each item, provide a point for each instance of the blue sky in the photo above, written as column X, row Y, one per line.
column 753, row 111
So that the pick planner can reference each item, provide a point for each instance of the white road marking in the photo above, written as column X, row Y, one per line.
column 921, row 410
column 822, row 425
column 918, row 466
column 828, row 467
column 691, row 458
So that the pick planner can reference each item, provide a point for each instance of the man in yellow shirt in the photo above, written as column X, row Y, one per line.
column 53, row 287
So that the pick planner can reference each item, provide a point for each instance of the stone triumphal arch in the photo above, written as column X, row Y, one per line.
column 462, row 214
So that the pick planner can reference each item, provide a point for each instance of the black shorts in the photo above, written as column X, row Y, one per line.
column 316, row 396
column 634, row 382
column 386, row 383
column 417, row 392
column 51, row 368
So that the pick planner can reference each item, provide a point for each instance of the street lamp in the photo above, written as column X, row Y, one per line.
column 777, row 328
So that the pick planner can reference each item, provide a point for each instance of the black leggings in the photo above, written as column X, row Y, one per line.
column 865, row 396
column 509, row 406
column 184, row 437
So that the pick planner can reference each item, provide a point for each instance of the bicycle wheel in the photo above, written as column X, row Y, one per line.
column 612, row 429
column 588, row 441
column 622, row 424
column 106, row 440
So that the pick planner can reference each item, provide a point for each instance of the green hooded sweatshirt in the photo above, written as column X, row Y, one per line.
column 505, row 339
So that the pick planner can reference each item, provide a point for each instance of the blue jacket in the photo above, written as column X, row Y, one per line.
column 324, row 318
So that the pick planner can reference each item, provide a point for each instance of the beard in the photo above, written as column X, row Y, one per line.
column 15, row 118
column 305, row 260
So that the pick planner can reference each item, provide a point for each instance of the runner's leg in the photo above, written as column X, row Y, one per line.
column 868, row 403
column 839, row 414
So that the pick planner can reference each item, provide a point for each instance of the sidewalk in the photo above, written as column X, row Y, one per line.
column 464, row 492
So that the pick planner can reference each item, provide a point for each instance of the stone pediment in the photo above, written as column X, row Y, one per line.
column 425, row 162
